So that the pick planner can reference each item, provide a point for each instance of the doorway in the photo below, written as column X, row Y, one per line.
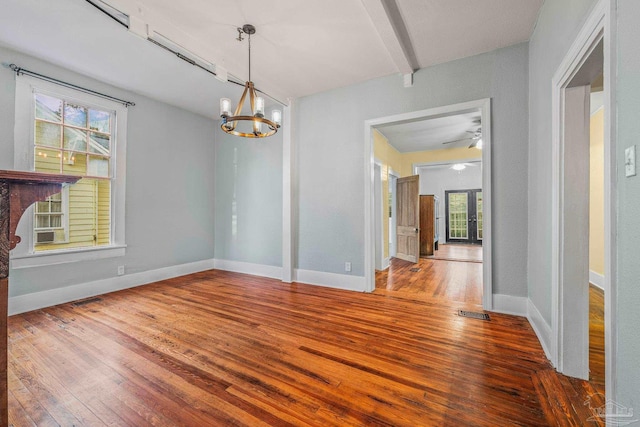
column 590, row 55
column 484, row 107
column 463, row 216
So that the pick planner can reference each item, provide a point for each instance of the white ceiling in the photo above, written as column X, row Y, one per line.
column 430, row 134
column 300, row 48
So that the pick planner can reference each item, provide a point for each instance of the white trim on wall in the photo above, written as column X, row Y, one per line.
column 508, row 304
column 261, row 270
column 484, row 105
column 330, row 280
column 287, row 194
column 33, row 301
column 596, row 279
column 600, row 23
column 540, row 327
column 417, row 166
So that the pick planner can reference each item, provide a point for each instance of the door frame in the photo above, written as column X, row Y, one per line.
column 393, row 182
column 600, row 25
column 484, row 105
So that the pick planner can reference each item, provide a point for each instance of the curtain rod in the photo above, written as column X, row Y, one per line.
column 19, row 71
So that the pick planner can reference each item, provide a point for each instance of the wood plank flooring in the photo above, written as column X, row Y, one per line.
column 218, row 348
column 596, row 337
column 436, row 280
column 458, row 252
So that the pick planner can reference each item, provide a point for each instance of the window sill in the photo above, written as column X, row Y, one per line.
column 44, row 258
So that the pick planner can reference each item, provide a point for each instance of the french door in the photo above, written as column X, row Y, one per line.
column 464, row 216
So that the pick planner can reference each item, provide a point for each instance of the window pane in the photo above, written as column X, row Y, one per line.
column 48, row 108
column 47, row 134
column 56, row 206
column 99, row 121
column 75, row 139
column 42, row 207
column 99, row 143
column 47, row 161
column 98, row 166
column 42, row 221
column 55, row 221
column 74, row 163
column 75, row 115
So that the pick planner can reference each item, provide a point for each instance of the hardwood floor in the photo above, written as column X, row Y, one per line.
column 458, row 252
column 596, row 337
column 436, row 280
column 218, row 348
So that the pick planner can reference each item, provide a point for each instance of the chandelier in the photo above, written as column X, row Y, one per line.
column 252, row 126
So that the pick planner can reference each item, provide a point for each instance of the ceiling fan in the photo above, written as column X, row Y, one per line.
column 476, row 139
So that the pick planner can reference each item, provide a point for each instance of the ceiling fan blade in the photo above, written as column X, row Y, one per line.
column 457, row 140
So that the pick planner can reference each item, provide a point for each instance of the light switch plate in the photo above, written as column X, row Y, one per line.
column 630, row 161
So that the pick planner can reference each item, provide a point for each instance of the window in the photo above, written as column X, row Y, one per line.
column 50, row 223
column 458, row 216
column 72, row 138
column 63, row 131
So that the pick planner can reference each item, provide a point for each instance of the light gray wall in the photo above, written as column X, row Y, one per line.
column 558, row 25
column 249, row 199
column 329, row 136
column 169, row 192
column 437, row 180
column 628, row 280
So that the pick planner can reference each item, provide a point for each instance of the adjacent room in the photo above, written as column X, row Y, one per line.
column 319, row 213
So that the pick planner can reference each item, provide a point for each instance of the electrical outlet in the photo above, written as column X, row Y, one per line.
column 630, row 161
column 347, row 266
column 120, row 270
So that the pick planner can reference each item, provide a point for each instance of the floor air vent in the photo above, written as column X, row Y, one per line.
column 415, row 269
column 473, row 315
column 85, row 302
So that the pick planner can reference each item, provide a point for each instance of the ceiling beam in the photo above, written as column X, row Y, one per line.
column 391, row 28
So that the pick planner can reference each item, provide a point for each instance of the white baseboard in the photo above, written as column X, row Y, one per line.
column 540, row 327
column 330, row 280
column 248, row 268
column 36, row 300
column 386, row 263
column 508, row 304
column 596, row 279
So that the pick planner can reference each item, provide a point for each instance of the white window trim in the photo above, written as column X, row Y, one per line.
column 23, row 256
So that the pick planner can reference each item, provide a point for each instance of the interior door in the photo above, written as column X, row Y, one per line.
column 464, row 216
column 408, row 218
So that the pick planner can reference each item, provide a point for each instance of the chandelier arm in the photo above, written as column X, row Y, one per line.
column 252, row 104
column 273, row 127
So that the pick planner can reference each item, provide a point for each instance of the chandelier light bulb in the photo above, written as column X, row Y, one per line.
column 276, row 117
column 225, row 107
column 259, row 107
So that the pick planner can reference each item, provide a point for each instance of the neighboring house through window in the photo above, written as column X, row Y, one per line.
column 63, row 131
